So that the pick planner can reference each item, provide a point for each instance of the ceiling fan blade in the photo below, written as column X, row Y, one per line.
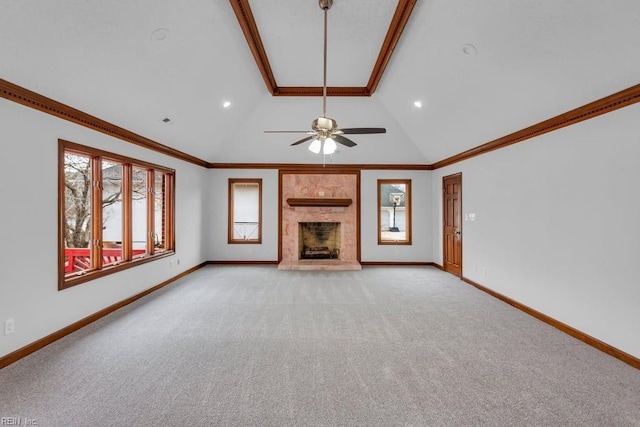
column 344, row 141
column 288, row 131
column 303, row 140
column 363, row 130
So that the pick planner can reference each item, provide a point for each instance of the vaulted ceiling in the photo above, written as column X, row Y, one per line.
column 133, row 63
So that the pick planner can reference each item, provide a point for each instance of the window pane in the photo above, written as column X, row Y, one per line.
column 77, row 213
column 159, row 212
column 112, row 213
column 394, row 215
column 139, row 212
column 245, row 211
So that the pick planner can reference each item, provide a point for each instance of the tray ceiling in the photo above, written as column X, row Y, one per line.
column 359, row 49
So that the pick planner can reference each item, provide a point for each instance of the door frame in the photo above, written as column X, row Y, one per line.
column 444, row 240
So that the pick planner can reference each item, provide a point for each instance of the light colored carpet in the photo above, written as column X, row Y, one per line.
column 382, row 346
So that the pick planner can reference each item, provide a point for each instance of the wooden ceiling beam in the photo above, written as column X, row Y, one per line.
column 250, row 30
column 243, row 12
column 399, row 21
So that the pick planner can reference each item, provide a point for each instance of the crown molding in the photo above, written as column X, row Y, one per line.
column 604, row 105
column 20, row 95
column 317, row 91
column 31, row 99
column 315, row 166
column 243, row 13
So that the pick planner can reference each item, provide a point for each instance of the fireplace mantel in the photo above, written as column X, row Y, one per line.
column 319, row 201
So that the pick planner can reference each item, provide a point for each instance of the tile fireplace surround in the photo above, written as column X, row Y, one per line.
column 320, row 186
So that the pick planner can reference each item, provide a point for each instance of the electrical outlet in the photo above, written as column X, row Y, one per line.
column 9, row 326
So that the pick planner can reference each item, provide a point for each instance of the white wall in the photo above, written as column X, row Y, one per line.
column 217, row 207
column 28, row 227
column 421, row 249
column 220, row 250
column 557, row 225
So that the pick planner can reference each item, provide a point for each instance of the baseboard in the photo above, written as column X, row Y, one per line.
column 42, row 342
column 363, row 263
column 396, row 263
column 242, row 262
column 587, row 339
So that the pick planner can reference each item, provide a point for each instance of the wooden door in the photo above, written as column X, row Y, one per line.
column 452, row 223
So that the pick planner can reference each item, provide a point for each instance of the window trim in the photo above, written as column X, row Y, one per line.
column 230, row 239
column 96, row 155
column 408, row 211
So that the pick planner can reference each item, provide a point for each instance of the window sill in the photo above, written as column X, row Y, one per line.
column 66, row 282
column 245, row 242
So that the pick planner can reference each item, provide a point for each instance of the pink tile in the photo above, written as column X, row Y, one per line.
column 309, row 186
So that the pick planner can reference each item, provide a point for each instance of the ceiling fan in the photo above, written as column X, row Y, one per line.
column 325, row 132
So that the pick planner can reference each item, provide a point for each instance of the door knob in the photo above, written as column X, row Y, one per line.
column 457, row 233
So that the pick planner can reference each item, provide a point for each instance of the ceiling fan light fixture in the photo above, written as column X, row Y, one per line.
column 315, row 146
column 329, row 146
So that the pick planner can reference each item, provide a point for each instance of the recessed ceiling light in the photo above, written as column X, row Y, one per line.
column 160, row 35
column 226, row 104
column 418, row 104
column 469, row 49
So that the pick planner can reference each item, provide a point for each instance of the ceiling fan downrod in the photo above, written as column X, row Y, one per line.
column 325, row 5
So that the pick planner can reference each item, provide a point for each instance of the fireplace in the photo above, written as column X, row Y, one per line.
column 319, row 240
column 328, row 204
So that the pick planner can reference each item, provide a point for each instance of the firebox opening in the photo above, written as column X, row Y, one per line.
column 319, row 240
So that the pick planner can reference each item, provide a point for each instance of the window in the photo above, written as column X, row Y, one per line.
column 394, row 211
column 115, row 212
column 139, row 215
column 245, row 210
column 112, row 218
